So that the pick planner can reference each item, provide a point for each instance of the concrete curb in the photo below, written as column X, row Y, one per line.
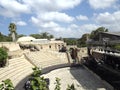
column 50, row 68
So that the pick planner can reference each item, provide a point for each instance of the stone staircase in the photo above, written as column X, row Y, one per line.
column 16, row 70
column 45, row 59
column 19, row 69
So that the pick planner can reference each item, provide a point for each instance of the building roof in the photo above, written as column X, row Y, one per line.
column 25, row 39
column 56, row 41
column 113, row 33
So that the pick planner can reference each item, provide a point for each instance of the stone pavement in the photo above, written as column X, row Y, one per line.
column 79, row 76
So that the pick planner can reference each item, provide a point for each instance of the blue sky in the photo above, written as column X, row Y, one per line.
column 62, row 18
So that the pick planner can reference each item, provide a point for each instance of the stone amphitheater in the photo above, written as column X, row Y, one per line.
column 20, row 62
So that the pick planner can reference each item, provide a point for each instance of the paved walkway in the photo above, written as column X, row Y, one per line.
column 82, row 79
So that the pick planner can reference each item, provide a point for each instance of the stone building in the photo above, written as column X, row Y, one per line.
column 42, row 44
column 105, row 37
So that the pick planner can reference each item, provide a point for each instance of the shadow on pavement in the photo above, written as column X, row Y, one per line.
column 86, row 80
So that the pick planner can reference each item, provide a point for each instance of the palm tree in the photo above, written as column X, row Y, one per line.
column 12, row 28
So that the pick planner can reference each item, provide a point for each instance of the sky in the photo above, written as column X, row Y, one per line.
column 61, row 18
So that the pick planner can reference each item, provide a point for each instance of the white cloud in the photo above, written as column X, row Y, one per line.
column 60, row 31
column 71, row 30
column 65, row 4
column 105, row 18
column 43, row 24
column 87, row 28
column 74, row 26
column 109, row 20
column 56, row 16
column 45, row 14
column 7, row 13
column 97, row 4
column 81, row 17
column 21, row 23
column 50, row 16
column 50, row 19
column 52, row 5
column 49, row 25
column 12, row 8
column 35, row 20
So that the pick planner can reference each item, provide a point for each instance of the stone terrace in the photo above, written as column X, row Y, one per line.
column 45, row 59
column 16, row 70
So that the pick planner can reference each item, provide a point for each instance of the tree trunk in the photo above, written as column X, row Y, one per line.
column 13, row 37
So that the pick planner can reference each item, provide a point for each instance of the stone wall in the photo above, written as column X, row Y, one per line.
column 11, row 46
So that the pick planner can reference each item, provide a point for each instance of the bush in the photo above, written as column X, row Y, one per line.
column 3, row 57
column 7, row 85
column 57, row 87
column 117, row 47
column 36, row 72
column 36, row 82
column 71, row 87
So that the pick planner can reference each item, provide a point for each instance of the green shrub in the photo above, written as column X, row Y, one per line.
column 7, row 85
column 3, row 56
column 36, row 72
column 57, row 87
column 71, row 87
column 37, row 82
column 117, row 47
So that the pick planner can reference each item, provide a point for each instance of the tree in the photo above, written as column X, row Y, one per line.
column 37, row 36
column 43, row 35
column 92, row 35
column 4, row 38
column 70, row 41
column 1, row 37
column 82, row 40
column 12, row 28
column 95, row 32
column 20, row 35
column 51, row 36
